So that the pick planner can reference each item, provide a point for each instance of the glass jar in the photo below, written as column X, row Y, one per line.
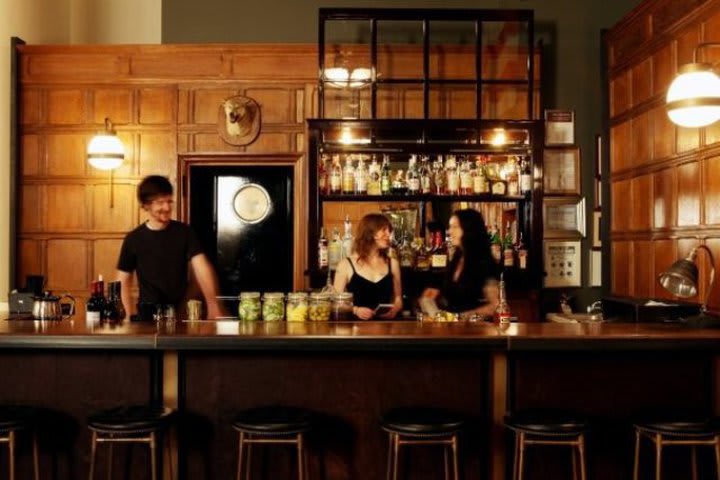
column 273, row 308
column 249, row 308
column 320, row 305
column 297, row 307
column 342, row 307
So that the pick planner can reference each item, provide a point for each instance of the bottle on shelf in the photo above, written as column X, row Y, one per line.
column 335, row 175
column 385, row 176
column 512, row 176
column 399, row 187
column 495, row 244
column 522, row 253
column 406, row 254
column 466, row 179
column 361, row 178
column 322, row 249
column 347, row 239
column 439, row 176
column 453, row 177
column 117, row 287
column 526, row 179
column 96, row 302
column 374, row 186
column 508, row 250
column 425, row 176
column 412, row 177
column 502, row 311
column 438, row 255
column 334, row 250
column 348, row 177
column 480, row 181
column 323, row 177
column 422, row 257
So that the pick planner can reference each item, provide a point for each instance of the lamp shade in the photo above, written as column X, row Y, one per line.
column 693, row 99
column 105, row 151
column 681, row 278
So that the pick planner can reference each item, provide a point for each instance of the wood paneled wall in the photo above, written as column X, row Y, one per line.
column 664, row 180
column 163, row 101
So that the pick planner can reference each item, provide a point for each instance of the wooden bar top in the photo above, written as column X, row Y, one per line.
column 231, row 334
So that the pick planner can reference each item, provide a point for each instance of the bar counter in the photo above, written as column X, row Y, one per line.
column 350, row 373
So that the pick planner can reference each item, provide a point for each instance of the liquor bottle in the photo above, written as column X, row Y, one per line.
column 453, row 178
column 323, row 178
column 347, row 239
column 117, row 287
column 439, row 178
column 361, row 178
column 96, row 302
column 334, row 250
column 322, row 250
column 526, row 180
column 336, row 175
column 508, row 250
column 502, row 311
column 422, row 259
column 348, row 177
column 406, row 254
column 399, row 187
column 466, row 179
column 374, row 187
column 109, row 312
column 495, row 244
column 385, row 176
column 438, row 256
column 412, row 178
column 425, row 176
column 522, row 253
column 513, row 176
column 480, row 181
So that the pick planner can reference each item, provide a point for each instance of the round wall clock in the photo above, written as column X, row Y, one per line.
column 252, row 203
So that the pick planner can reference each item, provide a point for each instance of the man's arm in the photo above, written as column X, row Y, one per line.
column 126, row 281
column 205, row 275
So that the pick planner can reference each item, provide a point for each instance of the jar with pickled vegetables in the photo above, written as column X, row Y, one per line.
column 320, row 306
column 297, row 307
column 249, row 308
column 273, row 307
column 342, row 307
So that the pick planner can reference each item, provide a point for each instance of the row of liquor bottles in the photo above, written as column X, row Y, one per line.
column 507, row 249
column 100, row 307
column 445, row 175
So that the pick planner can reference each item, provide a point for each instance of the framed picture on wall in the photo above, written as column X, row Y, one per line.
column 559, row 127
column 596, row 240
column 563, row 217
column 561, row 171
column 562, row 263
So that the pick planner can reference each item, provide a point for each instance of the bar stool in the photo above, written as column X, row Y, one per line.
column 692, row 432
column 547, row 427
column 12, row 420
column 272, row 425
column 422, row 426
column 129, row 424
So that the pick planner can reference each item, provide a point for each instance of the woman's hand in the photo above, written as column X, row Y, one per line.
column 363, row 313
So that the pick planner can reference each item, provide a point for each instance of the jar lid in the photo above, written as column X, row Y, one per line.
column 344, row 296
column 320, row 296
column 297, row 295
column 273, row 296
column 249, row 295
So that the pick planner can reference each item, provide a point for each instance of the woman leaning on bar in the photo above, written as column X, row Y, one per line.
column 470, row 285
column 369, row 273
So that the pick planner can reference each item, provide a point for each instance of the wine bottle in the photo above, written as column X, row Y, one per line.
column 109, row 312
column 95, row 304
column 502, row 311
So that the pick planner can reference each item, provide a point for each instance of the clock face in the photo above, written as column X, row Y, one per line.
column 252, row 203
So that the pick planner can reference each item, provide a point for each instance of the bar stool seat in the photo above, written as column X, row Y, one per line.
column 422, row 426
column 15, row 418
column 129, row 424
column 677, row 430
column 272, row 425
column 548, row 427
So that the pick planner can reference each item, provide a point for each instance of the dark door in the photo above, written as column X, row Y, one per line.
column 243, row 216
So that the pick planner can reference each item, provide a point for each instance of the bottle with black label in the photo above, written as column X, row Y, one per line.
column 110, row 312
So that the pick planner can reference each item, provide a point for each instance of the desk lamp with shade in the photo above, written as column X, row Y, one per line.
column 681, row 279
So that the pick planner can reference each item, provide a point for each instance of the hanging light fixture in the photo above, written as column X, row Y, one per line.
column 342, row 76
column 693, row 99
column 105, row 151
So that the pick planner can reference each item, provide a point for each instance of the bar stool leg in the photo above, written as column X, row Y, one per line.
column 36, row 462
column 636, row 463
column 446, row 461
column 248, row 457
column 93, row 454
column 241, row 441
column 717, row 456
column 693, row 459
column 390, row 463
column 396, row 455
column 521, row 458
column 153, row 456
column 658, row 457
column 456, row 467
column 110, row 461
column 516, row 456
column 300, row 447
column 574, row 454
column 581, row 451
column 11, row 453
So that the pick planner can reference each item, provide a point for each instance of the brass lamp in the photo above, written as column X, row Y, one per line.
column 693, row 99
column 681, row 279
column 106, row 152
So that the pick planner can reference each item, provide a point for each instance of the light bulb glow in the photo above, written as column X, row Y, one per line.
column 693, row 99
column 105, row 152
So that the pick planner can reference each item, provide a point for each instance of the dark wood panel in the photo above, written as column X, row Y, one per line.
column 643, row 271
column 688, row 212
column 664, row 255
column 621, row 268
column 642, row 198
column 663, row 69
column 642, row 84
column 620, row 218
column 665, row 199
column 711, row 190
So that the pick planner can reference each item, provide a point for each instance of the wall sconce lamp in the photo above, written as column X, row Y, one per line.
column 693, row 99
column 681, row 279
column 106, row 152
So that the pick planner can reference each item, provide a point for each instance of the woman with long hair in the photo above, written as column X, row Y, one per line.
column 470, row 285
column 369, row 273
